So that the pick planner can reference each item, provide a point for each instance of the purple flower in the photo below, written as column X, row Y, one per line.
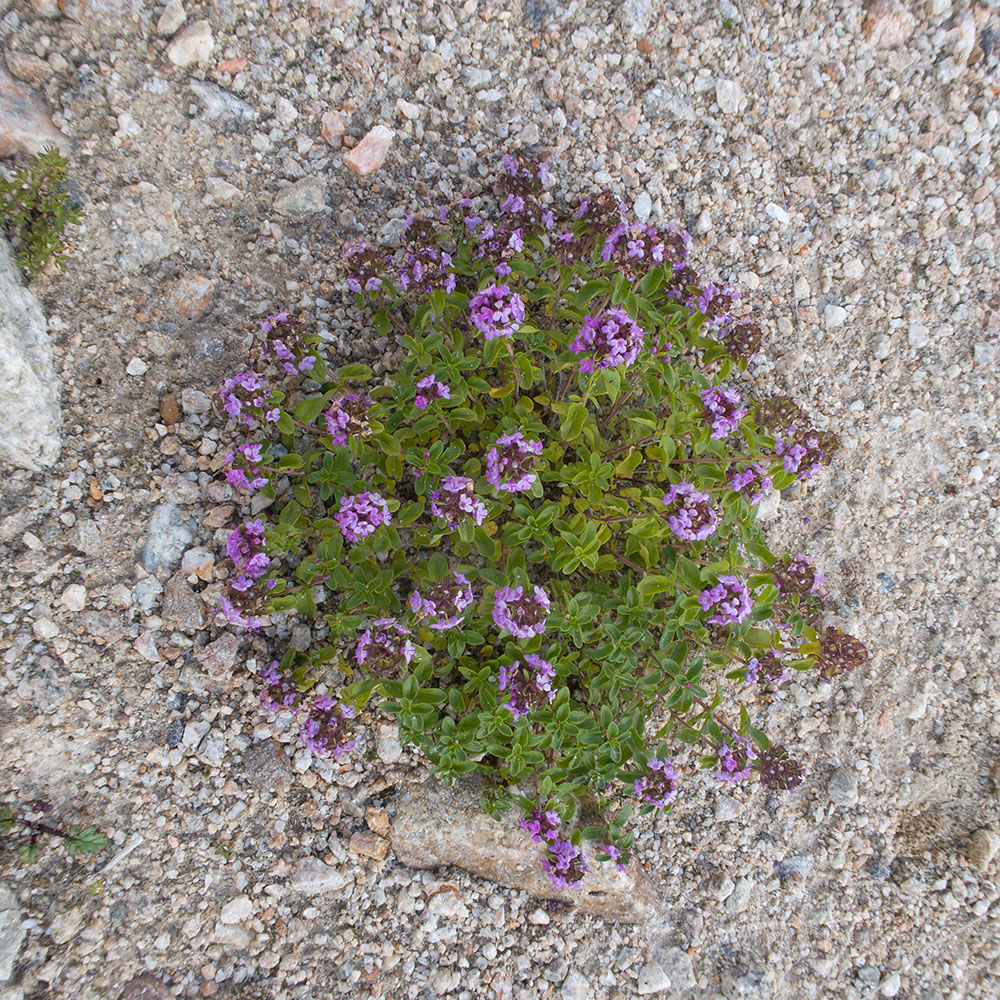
column 714, row 302
column 288, row 344
column 735, row 760
column 348, row 417
column 360, row 515
column 433, row 390
column 236, row 615
column 659, row 787
column 244, row 397
column 723, row 410
column 279, row 693
column 384, row 647
column 508, row 462
column 456, row 501
column 328, row 730
column 611, row 338
column 364, row 267
column 444, row 602
column 689, row 512
column 614, row 854
column 543, row 826
column 731, row 599
column 755, row 476
column 563, row 860
column 528, row 684
column 519, row 614
column 797, row 576
column 497, row 311
column 245, row 547
column 564, row 864
column 243, row 467
column 426, row 268
column 801, row 451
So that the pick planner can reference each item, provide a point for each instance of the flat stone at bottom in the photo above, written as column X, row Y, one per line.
column 436, row 825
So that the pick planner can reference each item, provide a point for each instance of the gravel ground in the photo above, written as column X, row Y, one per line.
column 841, row 167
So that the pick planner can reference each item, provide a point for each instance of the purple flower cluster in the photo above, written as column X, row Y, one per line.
column 245, row 398
column 456, row 501
column 426, row 268
column 741, row 339
column 364, row 267
column 724, row 410
column 715, row 303
column 348, row 417
column 245, row 547
column 243, row 467
column 384, row 646
column 564, row 861
column 798, row 577
column 520, row 614
column 659, row 787
column 767, row 668
column 431, row 389
column 248, row 584
column 288, row 344
column 497, row 311
column 735, row 759
column 753, row 477
column 445, row 602
column 361, row 514
column 532, row 173
column 327, row 730
column 611, row 338
column 730, row 598
column 508, row 462
column 690, row 513
column 801, row 453
column 528, row 684
column 614, row 854
column 279, row 693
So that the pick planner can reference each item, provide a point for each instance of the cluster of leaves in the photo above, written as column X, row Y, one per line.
column 29, row 826
column 36, row 207
column 638, row 652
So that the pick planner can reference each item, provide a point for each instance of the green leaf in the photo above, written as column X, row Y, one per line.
column 309, row 409
column 650, row 586
column 573, row 422
column 87, row 841
column 355, row 373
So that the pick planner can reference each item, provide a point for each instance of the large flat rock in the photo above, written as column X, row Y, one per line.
column 30, row 416
column 436, row 825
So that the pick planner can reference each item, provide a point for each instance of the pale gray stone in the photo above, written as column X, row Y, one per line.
column 219, row 104
column 436, row 825
column 728, row 94
column 11, row 932
column 171, row 19
column 843, row 787
column 30, row 416
column 303, row 198
column 981, row 848
column 311, row 877
column 170, row 533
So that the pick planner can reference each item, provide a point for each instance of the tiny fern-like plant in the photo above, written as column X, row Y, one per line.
column 36, row 208
column 536, row 544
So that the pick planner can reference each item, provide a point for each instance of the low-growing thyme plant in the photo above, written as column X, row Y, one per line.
column 36, row 207
column 535, row 544
column 31, row 821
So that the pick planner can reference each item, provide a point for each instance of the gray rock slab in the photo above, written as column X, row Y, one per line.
column 30, row 416
column 436, row 825
column 11, row 932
